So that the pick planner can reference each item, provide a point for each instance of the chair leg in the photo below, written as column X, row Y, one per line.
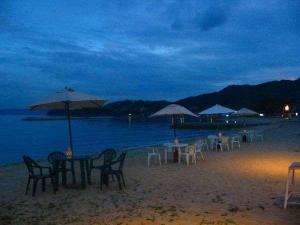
column 202, row 156
column 122, row 176
column 54, row 184
column 166, row 156
column 73, row 173
column 286, row 197
column 119, row 181
column 43, row 185
column 101, row 180
column 35, row 181
column 27, row 186
column 293, row 177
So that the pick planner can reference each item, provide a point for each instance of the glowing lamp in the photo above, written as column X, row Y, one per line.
column 287, row 108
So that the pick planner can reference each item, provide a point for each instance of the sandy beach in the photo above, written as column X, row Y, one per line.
column 244, row 187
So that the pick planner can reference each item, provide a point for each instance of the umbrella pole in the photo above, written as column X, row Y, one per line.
column 174, row 126
column 69, row 126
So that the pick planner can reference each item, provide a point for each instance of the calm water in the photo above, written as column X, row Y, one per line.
column 38, row 138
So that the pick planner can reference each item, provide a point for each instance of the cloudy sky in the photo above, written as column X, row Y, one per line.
column 137, row 49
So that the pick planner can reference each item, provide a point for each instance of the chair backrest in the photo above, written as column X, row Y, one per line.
column 30, row 163
column 199, row 143
column 212, row 138
column 235, row 137
column 121, row 160
column 108, row 155
column 54, row 156
column 224, row 139
column 191, row 149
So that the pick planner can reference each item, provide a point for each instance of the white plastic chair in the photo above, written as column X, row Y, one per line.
column 153, row 153
column 251, row 135
column 223, row 142
column 259, row 135
column 200, row 144
column 290, row 182
column 167, row 149
column 187, row 153
column 235, row 139
column 213, row 140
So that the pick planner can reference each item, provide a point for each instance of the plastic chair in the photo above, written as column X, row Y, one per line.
column 200, row 144
column 235, row 139
column 36, row 173
column 290, row 181
column 167, row 149
column 155, row 155
column 213, row 140
column 53, row 159
column 117, row 172
column 223, row 142
column 259, row 135
column 189, row 152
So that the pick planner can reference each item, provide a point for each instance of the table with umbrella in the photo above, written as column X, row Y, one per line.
column 174, row 110
column 69, row 99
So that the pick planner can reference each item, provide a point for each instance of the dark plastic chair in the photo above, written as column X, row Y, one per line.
column 36, row 173
column 59, row 167
column 103, row 159
column 117, row 171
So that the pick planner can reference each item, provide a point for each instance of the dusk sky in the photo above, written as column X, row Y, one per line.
column 144, row 49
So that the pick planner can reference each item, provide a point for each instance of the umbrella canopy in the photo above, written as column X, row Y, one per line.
column 217, row 109
column 246, row 112
column 75, row 100
column 173, row 110
column 68, row 99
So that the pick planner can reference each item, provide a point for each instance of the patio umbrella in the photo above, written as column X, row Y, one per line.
column 246, row 112
column 217, row 109
column 67, row 100
column 173, row 110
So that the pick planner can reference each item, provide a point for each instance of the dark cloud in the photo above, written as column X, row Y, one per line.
column 144, row 49
column 213, row 17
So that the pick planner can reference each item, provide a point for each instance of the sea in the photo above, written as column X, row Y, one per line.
column 37, row 139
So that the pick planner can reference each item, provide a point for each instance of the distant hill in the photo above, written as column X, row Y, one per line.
column 268, row 98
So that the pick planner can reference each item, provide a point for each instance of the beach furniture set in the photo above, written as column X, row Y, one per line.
column 189, row 152
column 180, row 151
column 108, row 162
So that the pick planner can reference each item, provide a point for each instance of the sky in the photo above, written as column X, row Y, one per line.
column 154, row 49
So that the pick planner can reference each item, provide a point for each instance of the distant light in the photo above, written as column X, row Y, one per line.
column 227, row 121
column 261, row 114
column 227, row 115
column 296, row 114
column 287, row 108
column 129, row 114
column 234, row 121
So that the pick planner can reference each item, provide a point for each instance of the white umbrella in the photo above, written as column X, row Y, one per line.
column 246, row 112
column 69, row 99
column 173, row 110
column 217, row 109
